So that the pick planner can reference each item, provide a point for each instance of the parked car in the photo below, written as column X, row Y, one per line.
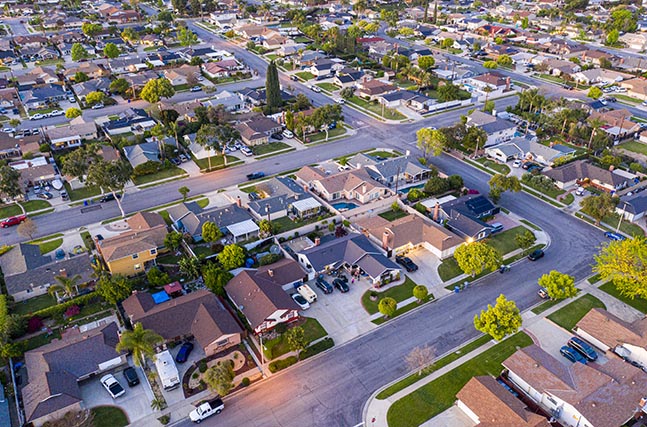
column 407, row 263
column 288, row 134
column 277, row 136
column 247, row 151
column 253, row 196
column 196, row 89
column 109, row 197
column 543, row 294
column 64, row 195
column 183, row 158
column 580, row 191
column 56, row 113
column 8, row 130
column 323, row 285
column 496, row 227
column 45, row 195
column 316, row 89
column 583, row 347
column 71, row 99
column 14, row 220
column 255, row 175
column 59, row 254
column 97, row 106
column 132, row 379
column 176, row 161
column 294, row 78
column 614, row 236
column 528, row 165
column 184, row 352
column 36, row 116
column 113, row 387
column 516, row 164
column 341, row 285
column 572, row 355
column 340, row 101
column 301, row 302
column 535, row 255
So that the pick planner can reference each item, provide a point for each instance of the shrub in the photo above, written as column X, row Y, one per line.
column 72, row 311
column 415, row 194
column 164, row 419
column 420, row 208
column 270, row 259
column 195, row 375
column 317, row 348
column 34, row 324
column 60, row 308
column 146, row 168
column 245, row 382
column 202, row 367
column 282, row 364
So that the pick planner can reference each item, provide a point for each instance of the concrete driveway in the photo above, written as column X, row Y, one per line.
column 427, row 273
column 550, row 337
column 135, row 403
column 177, row 395
column 451, row 417
column 341, row 315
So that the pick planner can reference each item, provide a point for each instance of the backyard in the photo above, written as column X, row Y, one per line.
column 568, row 316
column 392, row 215
column 286, row 224
column 32, row 305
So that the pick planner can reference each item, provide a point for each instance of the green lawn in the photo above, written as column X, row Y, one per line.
column 545, row 306
column 593, row 279
column 552, row 192
column 163, row 174
column 82, row 193
column 216, row 162
column 203, row 203
column 376, row 108
column 440, row 394
column 393, row 215
column 109, row 416
column 568, row 199
column 502, row 169
column 328, row 86
column 279, row 346
column 286, row 224
column 302, row 39
column 169, row 259
column 385, row 154
column 44, row 238
column 270, row 148
column 568, row 316
column 413, row 378
column 503, row 241
column 333, row 133
column 639, row 304
column 448, row 269
column 271, row 56
column 305, row 75
column 41, row 340
column 635, row 146
column 626, row 226
column 399, row 293
column 32, row 305
column 50, row 246
column 30, row 206
column 404, row 309
column 627, row 98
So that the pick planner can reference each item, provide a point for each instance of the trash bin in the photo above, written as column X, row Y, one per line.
column 85, row 203
column 456, row 289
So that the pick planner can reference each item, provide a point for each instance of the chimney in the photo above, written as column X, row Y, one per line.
column 507, row 83
column 436, row 211
column 364, row 188
column 239, row 202
column 317, row 241
column 386, row 237
column 270, row 272
column 62, row 272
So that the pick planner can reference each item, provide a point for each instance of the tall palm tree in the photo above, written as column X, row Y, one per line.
column 67, row 286
column 594, row 124
column 141, row 342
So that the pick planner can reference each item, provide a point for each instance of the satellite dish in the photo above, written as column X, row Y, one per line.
column 275, row 249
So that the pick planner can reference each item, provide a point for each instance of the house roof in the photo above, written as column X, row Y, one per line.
column 353, row 180
column 391, row 167
column 199, row 313
column 494, row 79
column 55, row 367
column 580, row 169
column 147, row 231
column 310, row 173
column 611, row 330
column 496, row 406
column 523, row 147
column 636, row 204
column 142, row 153
column 76, row 130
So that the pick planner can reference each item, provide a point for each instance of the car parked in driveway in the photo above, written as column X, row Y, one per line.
column 407, row 263
column 583, row 347
column 341, row 285
column 536, row 254
column 323, row 285
column 14, row 220
column 45, row 195
column 185, row 351
column 572, row 355
column 130, row 374
column 301, row 302
column 113, row 387
column 516, row 164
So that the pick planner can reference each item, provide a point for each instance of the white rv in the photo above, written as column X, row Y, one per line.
column 167, row 370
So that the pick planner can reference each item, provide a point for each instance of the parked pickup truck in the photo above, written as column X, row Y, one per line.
column 206, row 409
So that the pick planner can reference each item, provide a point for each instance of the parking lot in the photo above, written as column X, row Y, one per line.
column 135, row 403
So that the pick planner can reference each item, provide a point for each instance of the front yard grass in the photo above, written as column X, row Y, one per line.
column 568, row 316
column 635, row 146
column 626, row 226
column 332, row 133
column 163, row 174
column 448, row 269
column 217, row 162
column 30, row 206
column 440, row 394
column 398, row 293
column 639, row 304
column 50, row 246
column 502, row 169
column 305, row 75
column 109, row 416
column 545, row 306
column 503, row 241
column 259, row 150
column 32, row 305
column 392, row 215
column 328, row 86
column 376, row 109
column 278, row 346
column 82, row 193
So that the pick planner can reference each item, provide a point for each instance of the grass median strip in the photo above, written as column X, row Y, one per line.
column 438, row 395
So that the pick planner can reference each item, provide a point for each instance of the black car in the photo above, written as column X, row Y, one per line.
column 253, row 196
column 341, row 285
column 529, row 165
column 109, row 197
column 131, row 376
column 407, row 263
column 324, row 286
column 536, row 254
column 294, row 78
column 255, row 175
column 584, row 348
column 184, row 352
column 277, row 136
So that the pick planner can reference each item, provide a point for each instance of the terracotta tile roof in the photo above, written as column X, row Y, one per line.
column 496, row 406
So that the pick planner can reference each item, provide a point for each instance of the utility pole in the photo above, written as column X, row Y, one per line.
column 624, row 209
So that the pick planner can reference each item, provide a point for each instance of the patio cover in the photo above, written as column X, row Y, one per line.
column 243, row 228
column 306, row 204
column 172, row 288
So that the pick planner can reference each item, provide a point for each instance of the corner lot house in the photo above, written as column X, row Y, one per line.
column 55, row 370
column 350, row 185
column 464, row 215
column 200, row 314
column 132, row 251
column 582, row 172
column 524, row 149
column 404, row 169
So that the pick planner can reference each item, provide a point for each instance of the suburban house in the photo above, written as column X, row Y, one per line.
column 132, row 251
column 228, row 100
column 584, row 173
column 15, row 148
column 636, row 88
column 90, row 69
column 632, row 208
column 354, row 184
column 282, row 196
column 141, row 153
column 354, row 252
column 525, row 149
column 487, row 403
column 256, row 97
column 347, row 78
column 199, row 314
column 29, row 274
column 232, row 220
column 182, row 75
column 55, row 370
column 214, row 71
column 559, row 67
column 258, row 130
column 576, row 394
column 371, row 89
column 618, row 123
column 402, row 169
column 34, row 171
column 497, row 130
column 101, row 84
column 260, row 297
column 41, row 96
column 134, row 120
column 600, row 75
column 489, row 84
column 408, row 233
column 636, row 41
column 72, row 135
column 464, row 215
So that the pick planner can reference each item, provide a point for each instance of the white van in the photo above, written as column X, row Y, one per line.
column 288, row 134
column 306, row 292
column 167, row 370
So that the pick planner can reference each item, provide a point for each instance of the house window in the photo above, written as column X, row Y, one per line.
column 222, row 343
column 135, row 256
column 138, row 267
column 481, row 235
column 153, row 251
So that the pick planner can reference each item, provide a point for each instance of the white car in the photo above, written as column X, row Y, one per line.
column 516, row 164
column 56, row 113
column 315, row 89
column 36, row 116
column 71, row 99
column 288, row 134
column 97, row 106
column 301, row 302
column 113, row 387
column 8, row 130
column 340, row 101
column 246, row 151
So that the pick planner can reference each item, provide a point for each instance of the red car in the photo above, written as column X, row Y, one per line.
column 14, row 220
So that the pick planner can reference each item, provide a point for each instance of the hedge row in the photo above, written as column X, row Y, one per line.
column 282, row 364
column 317, row 348
column 59, row 309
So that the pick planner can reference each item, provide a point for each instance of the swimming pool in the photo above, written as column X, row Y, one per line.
column 344, row 206
column 406, row 190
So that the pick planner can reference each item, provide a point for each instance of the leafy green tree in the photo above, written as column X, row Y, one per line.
column 119, row 86
column 387, row 306
column 232, row 256
column 111, row 50
column 594, row 93
column 488, row 106
column 498, row 321
column 113, row 288
column 431, row 141
column 91, row 29
column 77, row 162
column 173, row 240
column 558, row 285
column 623, row 20
column 491, row 65
column 156, row 89
column 66, row 286
column 184, row 191
column 265, row 227
column 447, row 43
column 110, row 176
column 475, row 257
column 220, row 377
column 296, row 340
column 10, row 184
column 525, row 240
column 78, row 52
column 207, row 137
column 474, row 139
column 210, row 232
column 80, row 77
column 500, row 183
column 129, row 34
column 504, row 60
column 436, row 185
column 272, row 88
column 186, row 37
column 347, row 92
column 190, row 266
column 599, row 206
column 426, row 62
column 215, row 278
column 448, row 92
column 157, row 277
column 72, row 113
column 623, row 262
column 140, row 342
column 95, row 97
column 420, row 292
